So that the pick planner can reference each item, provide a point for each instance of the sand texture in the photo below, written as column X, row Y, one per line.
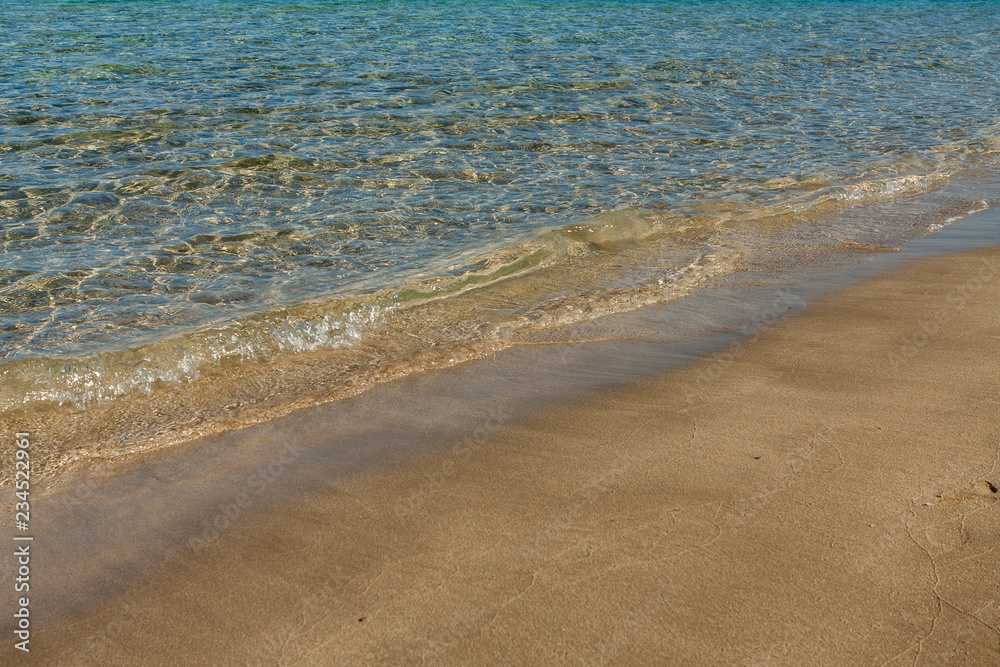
column 821, row 493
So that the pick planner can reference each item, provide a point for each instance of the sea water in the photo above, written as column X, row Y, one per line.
column 219, row 191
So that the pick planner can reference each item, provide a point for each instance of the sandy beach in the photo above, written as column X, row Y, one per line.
column 822, row 492
column 500, row 333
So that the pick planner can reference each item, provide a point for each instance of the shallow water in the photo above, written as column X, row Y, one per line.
column 185, row 186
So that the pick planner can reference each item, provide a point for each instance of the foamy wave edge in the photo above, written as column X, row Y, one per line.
column 105, row 377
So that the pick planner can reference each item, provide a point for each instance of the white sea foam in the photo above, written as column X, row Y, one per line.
column 955, row 218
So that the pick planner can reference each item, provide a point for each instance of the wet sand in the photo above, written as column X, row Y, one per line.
column 823, row 492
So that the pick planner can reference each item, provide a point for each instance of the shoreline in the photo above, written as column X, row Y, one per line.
column 517, row 496
column 429, row 337
column 501, row 334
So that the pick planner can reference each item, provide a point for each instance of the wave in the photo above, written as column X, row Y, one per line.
column 611, row 263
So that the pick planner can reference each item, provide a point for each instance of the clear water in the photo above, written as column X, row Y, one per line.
column 249, row 174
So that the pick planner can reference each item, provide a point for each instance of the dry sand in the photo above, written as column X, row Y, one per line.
column 820, row 494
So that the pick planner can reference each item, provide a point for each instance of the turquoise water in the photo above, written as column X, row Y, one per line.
column 272, row 178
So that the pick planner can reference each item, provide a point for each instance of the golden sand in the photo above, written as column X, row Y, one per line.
column 823, row 493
